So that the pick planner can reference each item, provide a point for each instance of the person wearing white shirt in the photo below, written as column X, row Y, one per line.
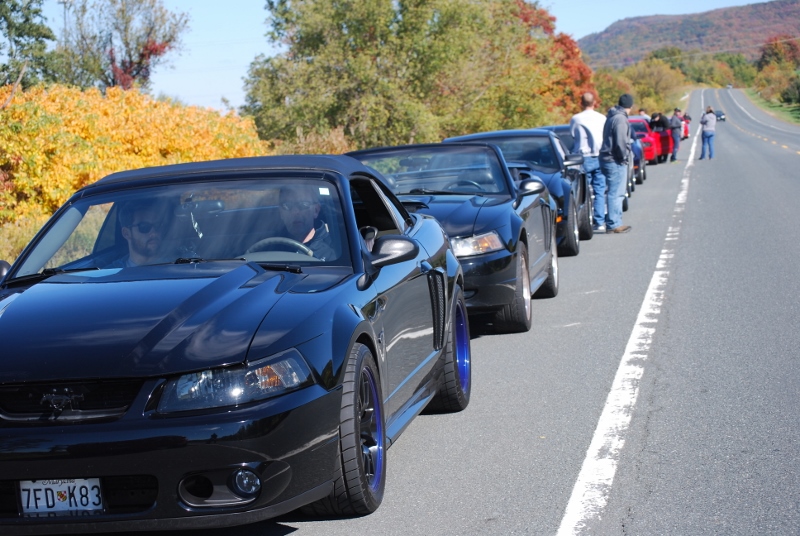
column 586, row 128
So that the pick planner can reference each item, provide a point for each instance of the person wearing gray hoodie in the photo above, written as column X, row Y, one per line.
column 614, row 154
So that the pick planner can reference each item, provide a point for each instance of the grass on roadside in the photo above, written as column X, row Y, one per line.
column 788, row 112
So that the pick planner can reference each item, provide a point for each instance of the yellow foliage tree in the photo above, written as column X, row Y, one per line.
column 56, row 139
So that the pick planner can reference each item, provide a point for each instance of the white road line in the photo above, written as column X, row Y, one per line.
column 756, row 120
column 593, row 487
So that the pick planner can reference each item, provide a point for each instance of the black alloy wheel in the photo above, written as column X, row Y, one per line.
column 360, row 474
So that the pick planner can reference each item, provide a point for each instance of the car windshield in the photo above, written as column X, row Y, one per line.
column 270, row 220
column 535, row 150
column 639, row 127
column 446, row 169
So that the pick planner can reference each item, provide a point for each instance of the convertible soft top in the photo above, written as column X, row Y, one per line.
column 344, row 165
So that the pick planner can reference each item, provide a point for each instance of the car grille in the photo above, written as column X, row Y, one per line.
column 123, row 494
column 64, row 402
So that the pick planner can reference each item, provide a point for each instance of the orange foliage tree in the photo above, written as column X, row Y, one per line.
column 574, row 77
column 55, row 140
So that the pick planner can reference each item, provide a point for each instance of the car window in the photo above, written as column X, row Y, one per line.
column 266, row 219
column 638, row 126
column 445, row 168
column 536, row 150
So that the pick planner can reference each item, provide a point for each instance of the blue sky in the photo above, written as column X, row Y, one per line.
column 225, row 36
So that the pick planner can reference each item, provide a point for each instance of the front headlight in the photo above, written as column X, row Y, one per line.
column 215, row 388
column 475, row 245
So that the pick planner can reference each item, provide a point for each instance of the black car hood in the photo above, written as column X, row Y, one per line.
column 460, row 215
column 154, row 322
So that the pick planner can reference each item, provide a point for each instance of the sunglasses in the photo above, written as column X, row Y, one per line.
column 145, row 227
column 297, row 205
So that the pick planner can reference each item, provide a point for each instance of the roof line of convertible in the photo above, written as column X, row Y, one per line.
column 511, row 132
column 476, row 143
column 342, row 164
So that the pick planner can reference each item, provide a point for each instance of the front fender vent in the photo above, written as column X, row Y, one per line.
column 438, row 301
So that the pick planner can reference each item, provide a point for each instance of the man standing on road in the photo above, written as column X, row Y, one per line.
column 676, row 128
column 614, row 154
column 586, row 128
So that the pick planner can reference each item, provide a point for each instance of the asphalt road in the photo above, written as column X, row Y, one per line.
column 656, row 395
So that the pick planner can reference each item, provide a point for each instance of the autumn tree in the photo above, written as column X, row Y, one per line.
column 655, row 83
column 108, row 43
column 23, row 42
column 780, row 49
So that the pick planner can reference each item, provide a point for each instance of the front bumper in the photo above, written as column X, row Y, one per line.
column 490, row 280
column 143, row 461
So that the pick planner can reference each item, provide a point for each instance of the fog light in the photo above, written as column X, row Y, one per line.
column 245, row 482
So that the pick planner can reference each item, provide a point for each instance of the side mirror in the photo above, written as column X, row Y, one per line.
column 531, row 186
column 4, row 268
column 393, row 249
column 573, row 160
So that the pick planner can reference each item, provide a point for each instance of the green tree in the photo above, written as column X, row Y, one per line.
column 672, row 56
column 23, row 41
column 110, row 43
column 744, row 72
column 654, row 82
column 394, row 71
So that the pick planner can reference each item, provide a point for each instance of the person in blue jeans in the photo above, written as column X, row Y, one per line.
column 586, row 128
column 676, row 129
column 709, row 124
column 614, row 155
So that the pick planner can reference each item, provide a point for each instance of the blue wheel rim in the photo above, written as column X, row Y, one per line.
column 462, row 347
column 371, row 430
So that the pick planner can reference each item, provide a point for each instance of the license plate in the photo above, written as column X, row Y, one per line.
column 60, row 495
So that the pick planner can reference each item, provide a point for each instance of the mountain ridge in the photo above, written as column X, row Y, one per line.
column 738, row 29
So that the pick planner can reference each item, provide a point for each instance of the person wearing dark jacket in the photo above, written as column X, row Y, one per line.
column 614, row 154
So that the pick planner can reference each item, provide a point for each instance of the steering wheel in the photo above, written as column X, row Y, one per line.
column 456, row 184
column 270, row 243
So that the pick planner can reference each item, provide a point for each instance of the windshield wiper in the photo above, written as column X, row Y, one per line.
column 292, row 268
column 428, row 191
column 196, row 260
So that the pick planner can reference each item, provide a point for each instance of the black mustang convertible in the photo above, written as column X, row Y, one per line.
column 502, row 229
column 217, row 343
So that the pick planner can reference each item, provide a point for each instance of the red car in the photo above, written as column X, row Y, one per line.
column 656, row 146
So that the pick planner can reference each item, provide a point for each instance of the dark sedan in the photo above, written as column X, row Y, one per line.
column 542, row 150
column 174, row 356
column 502, row 233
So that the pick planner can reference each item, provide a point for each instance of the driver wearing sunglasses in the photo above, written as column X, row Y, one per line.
column 142, row 224
column 299, row 209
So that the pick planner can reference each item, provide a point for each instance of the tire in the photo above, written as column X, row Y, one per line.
column 624, row 204
column 585, row 229
column 639, row 176
column 454, row 391
column 516, row 316
column 571, row 245
column 360, row 473
column 549, row 288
